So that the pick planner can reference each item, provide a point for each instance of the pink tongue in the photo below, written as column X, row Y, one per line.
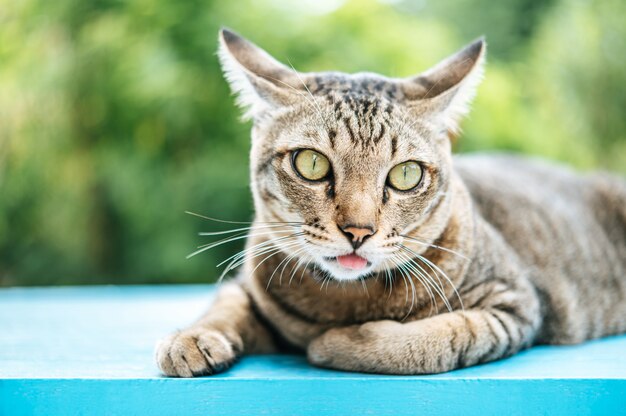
column 352, row 261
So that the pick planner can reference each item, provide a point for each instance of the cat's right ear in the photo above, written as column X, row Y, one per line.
column 444, row 92
column 260, row 82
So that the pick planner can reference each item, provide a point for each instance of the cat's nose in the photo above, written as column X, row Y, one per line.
column 357, row 234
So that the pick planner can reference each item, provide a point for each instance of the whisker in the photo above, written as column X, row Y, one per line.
column 421, row 278
column 263, row 261
column 244, row 229
column 260, row 245
column 294, row 268
column 238, row 236
column 243, row 257
column 438, row 269
column 287, row 258
column 364, row 284
column 224, row 241
column 257, row 250
column 415, row 240
column 428, row 279
column 388, row 277
column 304, row 268
column 243, row 233
column 406, row 278
column 241, row 222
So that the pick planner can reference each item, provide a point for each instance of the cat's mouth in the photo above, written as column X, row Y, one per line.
column 350, row 261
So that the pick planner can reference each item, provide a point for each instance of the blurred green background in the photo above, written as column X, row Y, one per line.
column 114, row 118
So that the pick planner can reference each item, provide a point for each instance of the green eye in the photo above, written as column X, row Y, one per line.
column 311, row 165
column 405, row 176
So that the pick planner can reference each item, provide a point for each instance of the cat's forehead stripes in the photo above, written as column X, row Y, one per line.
column 362, row 104
column 364, row 118
column 325, row 84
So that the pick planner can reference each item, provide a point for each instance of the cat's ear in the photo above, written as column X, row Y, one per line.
column 260, row 82
column 444, row 92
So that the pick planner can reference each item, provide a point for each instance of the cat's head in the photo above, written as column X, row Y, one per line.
column 354, row 163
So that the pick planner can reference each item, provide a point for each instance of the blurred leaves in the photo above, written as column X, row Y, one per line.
column 114, row 118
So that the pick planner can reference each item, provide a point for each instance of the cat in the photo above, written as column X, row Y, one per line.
column 373, row 249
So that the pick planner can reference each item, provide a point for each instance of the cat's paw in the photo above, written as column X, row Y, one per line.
column 353, row 348
column 196, row 352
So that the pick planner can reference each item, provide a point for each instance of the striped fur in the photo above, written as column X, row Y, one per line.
column 489, row 255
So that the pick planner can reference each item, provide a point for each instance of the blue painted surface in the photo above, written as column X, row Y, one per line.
column 72, row 351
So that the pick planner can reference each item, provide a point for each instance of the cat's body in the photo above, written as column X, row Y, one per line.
column 568, row 230
column 483, row 256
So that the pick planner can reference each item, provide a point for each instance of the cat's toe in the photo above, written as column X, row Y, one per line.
column 194, row 353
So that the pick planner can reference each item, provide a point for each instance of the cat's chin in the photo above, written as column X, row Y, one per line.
column 345, row 274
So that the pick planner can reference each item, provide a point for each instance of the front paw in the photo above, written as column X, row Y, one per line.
column 324, row 349
column 353, row 348
column 196, row 352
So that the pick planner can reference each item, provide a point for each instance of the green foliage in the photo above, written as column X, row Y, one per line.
column 114, row 118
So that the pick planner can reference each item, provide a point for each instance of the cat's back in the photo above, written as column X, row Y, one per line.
column 569, row 228
column 543, row 208
column 511, row 190
column 491, row 176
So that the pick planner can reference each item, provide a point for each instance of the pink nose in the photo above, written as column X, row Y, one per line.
column 357, row 234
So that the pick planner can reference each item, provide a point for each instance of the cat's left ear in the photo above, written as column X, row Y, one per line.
column 443, row 93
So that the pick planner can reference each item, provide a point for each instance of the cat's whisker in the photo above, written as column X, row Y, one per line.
column 259, row 246
column 243, row 233
column 406, row 278
column 324, row 277
column 287, row 259
column 406, row 285
column 456, row 292
column 235, row 230
column 243, row 257
column 294, row 268
column 438, row 270
column 420, row 277
column 236, row 237
column 269, row 256
column 224, row 241
column 429, row 280
column 435, row 246
column 242, row 222
column 388, row 277
column 364, row 284
column 235, row 263
column 293, row 272
column 315, row 270
column 436, row 285
column 252, row 252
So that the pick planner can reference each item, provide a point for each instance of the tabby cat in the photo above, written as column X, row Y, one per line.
column 374, row 250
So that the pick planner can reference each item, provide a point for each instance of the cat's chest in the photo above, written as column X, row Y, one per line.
column 303, row 310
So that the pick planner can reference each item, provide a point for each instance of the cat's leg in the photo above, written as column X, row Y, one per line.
column 226, row 331
column 433, row 345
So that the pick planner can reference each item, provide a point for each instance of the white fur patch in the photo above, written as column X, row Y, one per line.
column 239, row 79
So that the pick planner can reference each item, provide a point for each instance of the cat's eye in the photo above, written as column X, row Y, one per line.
column 405, row 176
column 311, row 165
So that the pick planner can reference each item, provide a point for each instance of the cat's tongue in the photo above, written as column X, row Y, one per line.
column 352, row 261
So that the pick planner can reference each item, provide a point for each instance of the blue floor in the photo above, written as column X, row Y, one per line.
column 71, row 351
